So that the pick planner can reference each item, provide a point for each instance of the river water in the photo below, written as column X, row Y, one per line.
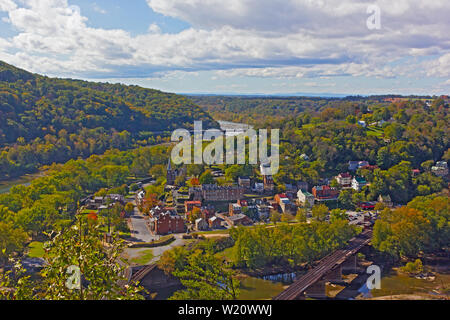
column 266, row 287
column 233, row 128
column 25, row 180
column 392, row 284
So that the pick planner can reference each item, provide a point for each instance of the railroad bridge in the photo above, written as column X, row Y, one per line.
column 329, row 269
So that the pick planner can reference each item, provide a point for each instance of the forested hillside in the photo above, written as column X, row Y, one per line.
column 45, row 120
column 397, row 138
column 256, row 110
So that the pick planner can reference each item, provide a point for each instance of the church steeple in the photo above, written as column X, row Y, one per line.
column 171, row 174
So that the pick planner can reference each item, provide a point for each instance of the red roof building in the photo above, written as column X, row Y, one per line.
column 323, row 193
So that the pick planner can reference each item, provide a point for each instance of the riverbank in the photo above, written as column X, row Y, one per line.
column 25, row 180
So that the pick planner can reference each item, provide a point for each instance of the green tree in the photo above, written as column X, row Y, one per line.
column 12, row 239
column 206, row 277
column 301, row 215
column 320, row 212
column 206, row 178
column 100, row 266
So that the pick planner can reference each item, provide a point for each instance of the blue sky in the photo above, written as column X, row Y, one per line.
column 235, row 46
column 134, row 16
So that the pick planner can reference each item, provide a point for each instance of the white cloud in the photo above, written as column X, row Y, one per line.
column 439, row 67
column 254, row 38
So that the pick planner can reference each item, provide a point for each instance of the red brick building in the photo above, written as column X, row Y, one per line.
column 323, row 193
column 166, row 222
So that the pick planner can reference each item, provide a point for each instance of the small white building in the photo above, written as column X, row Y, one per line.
column 201, row 224
column 358, row 183
column 305, row 198
column 344, row 180
column 440, row 169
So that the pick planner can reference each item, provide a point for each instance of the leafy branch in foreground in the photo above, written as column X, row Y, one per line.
column 206, row 278
column 103, row 272
column 14, row 284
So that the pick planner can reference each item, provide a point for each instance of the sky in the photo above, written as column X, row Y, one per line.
column 235, row 46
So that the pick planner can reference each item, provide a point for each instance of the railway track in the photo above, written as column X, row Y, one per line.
column 140, row 274
column 324, row 266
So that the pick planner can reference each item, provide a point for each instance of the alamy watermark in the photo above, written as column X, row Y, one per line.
column 73, row 282
column 374, row 20
column 226, row 148
column 374, row 280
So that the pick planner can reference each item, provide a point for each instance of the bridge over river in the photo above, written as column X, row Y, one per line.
column 329, row 268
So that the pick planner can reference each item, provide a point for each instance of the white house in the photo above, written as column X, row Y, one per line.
column 358, row 183
column 305, row 198
column 344, row 179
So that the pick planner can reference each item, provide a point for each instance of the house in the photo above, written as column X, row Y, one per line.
column 263, row 211
column 302, row 185
column 208, row 211
column 269, row 185
column 280, row 197
column 283, row 201
column 114, row 198
column 325, row 193
column 305, row 198
column 166, row 222
column 291, row 190
column 244, row 182
column 234, row 209
column 415, row 172
column 215, row 222
column 386, row 200
column 358, row 183
column 238, row 219
column 213, row 192
column 440, row 169
column 362, row 123
column 201, row 224
column 344, row 180
column 355, row 165
column 139, row 198
column 266, row 172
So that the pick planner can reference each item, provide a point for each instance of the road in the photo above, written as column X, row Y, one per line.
column 139, row 229
column 158, row 251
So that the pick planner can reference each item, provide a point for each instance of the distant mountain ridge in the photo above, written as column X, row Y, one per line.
column 45, row 120
column 30, row 103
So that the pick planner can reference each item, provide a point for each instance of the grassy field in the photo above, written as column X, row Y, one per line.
column 222, row 231
column 374, row 131
column 226, row 254
column 36, row 249
column 144, row 257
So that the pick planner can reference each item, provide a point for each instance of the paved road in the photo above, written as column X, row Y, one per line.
column 158, row 251
column 139, row 229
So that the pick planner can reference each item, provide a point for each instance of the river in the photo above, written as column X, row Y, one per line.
column 266, row 287
column 25, row 180
column 233, row 128
column 393, row 285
